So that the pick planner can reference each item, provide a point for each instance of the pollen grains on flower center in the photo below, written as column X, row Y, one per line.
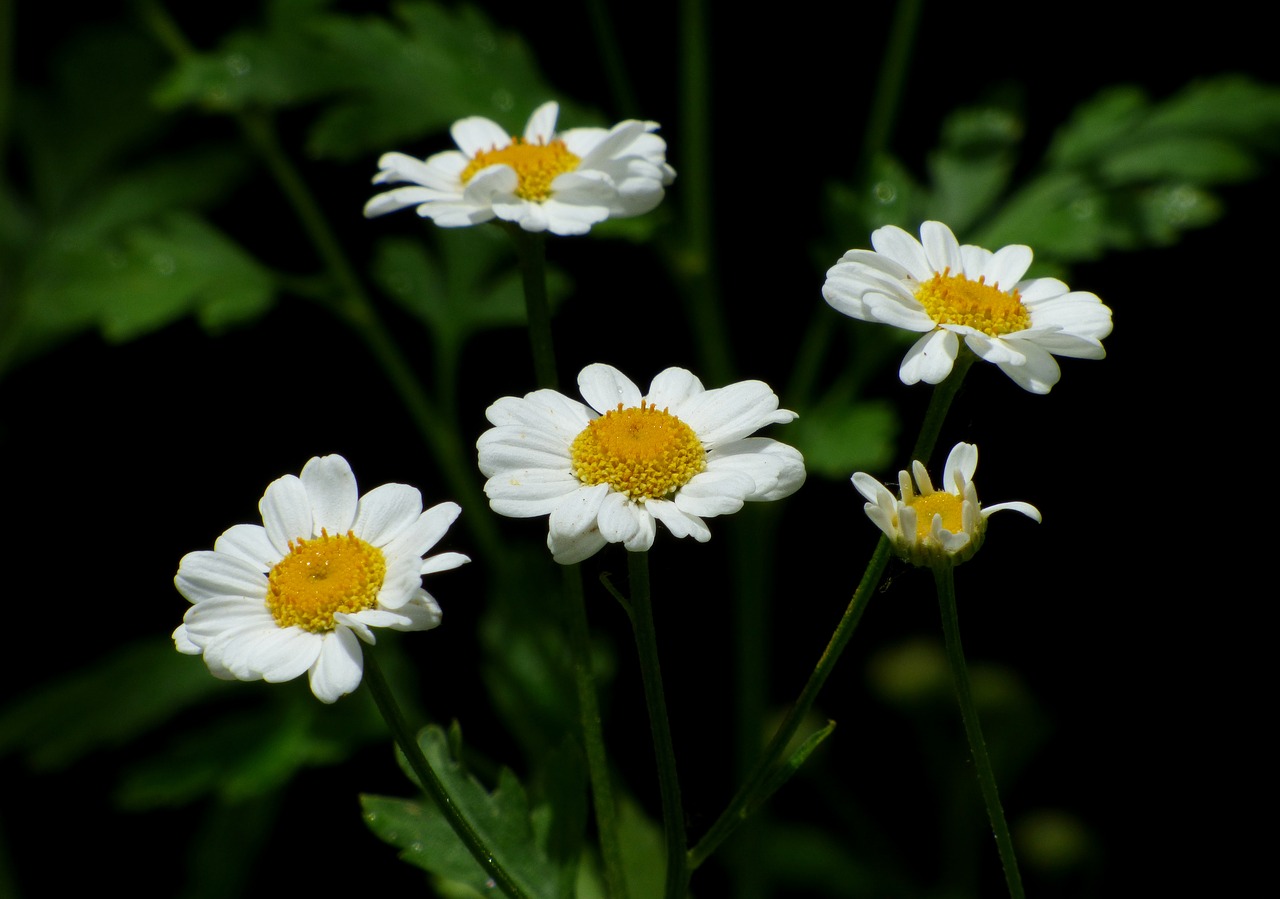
column 322, row 576
column 955, row 300
column 948, row 505
column 536, row 165
column 642, row 452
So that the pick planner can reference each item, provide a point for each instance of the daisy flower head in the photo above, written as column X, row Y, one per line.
column 931, row 527
column 324, row 568
column 562, row 182
column 609, row 470
column 936, row 286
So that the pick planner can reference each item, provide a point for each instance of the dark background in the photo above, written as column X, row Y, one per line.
column 1121, row 612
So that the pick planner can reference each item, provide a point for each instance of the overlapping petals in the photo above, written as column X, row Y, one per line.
column 955, row 528
column 528, row 460
column 619, row 172
column 230, row 623
column 884, row 285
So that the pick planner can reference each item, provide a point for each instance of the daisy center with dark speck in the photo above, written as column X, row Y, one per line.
column 642, row 452
column 322, row 576
column 955, row 300
column 536, row 165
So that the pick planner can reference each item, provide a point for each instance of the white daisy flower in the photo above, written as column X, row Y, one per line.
column 935, row 285
column 544, row 181
column 325, row 567
column 928, row 526
column 608, row 471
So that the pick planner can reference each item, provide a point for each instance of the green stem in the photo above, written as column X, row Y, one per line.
column 532, row 251
column 755, row 789
column 944, row 577
column 431, row 783
column 353, row 304
column 668, row 781
column 694, row 257
column 593, row 735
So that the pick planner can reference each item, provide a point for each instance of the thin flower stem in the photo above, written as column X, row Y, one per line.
column 668, row 782
column 431, row 783
column 531, row 251
column 593, row 735
column 694, row 256
column 751, row 793
column 944, row 577
column 754, row 789
column 610, row 52
column 353, row 303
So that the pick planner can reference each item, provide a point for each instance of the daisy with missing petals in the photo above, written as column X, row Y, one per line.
column 544, row 181
column 948, row 291
column 930, row 527
column 325, row 567
column 608, row 471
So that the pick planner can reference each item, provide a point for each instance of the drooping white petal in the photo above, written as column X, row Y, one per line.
column 578, row 512
column 681, row 524
column 339, row 667
column 569, row 549
column 619, row 518
column 930, row 358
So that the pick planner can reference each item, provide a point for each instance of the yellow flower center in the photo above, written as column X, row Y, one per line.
column 642, row 452
column 536, row 165
column 948, row 505
column 955, row 300
column 322, row 576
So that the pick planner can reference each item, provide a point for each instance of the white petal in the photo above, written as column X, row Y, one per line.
column 941, row 248
column 1038, row 374
column 286, row 512
column 331, row 488
column 541, row 128
column 672, row 387
column 442, row 562
column 930, row 358
column 577, row 513
column 619, row 518
column 339, row 667
column 962, row 462
column 604, row 387
column 545, row 411
column 776, row 468
column 730, row 413
column 570, row 549
column 385, row 512
column 206, row 574
column 1025, row 508
column 681, row 524
column 1006, row 267
column 425, row 532
column 248, row 542
column 713, row 493
column 642, row 540
column 477, row 134
column 871, row 489
column 903, row 249
column 528, row 493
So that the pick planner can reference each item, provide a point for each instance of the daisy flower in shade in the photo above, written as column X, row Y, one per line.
column 544, row 181
column 948, row 291
column 325, row 567
column 930, row 527
column 608, row 471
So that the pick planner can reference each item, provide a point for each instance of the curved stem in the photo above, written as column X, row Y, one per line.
column 752, row 792
column 431, row 783
column 944, row 577
column 754, row 789
column 668, row 781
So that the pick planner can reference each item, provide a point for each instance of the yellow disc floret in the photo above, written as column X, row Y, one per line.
column 536, row 165
column 948, row 505
column 322, row 576
column 955, row 300
column 642, row 452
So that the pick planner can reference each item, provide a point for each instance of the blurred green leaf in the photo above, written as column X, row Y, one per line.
column 838, row 439
column 108, row 703
column 501, row 817
column 144, row 278
column 470, row 284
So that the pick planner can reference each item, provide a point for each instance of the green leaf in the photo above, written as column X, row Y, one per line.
column 145, row 278
column 502, row 818
column 109, row 703
column 838, row 439
column 469, row 285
